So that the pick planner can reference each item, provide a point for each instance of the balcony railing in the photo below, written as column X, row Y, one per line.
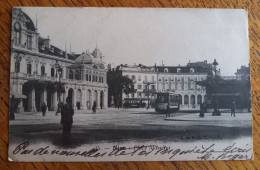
column 229, row 77
column 53, row 79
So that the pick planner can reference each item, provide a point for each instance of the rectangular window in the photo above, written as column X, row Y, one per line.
column 17, row 67
column 89, row 77
column 36, row 69
column 29, row 42
column 17, row 37
column 102, row 79
column 29, row 68
column 139, row 78
column 52, row 72
column 86, row 77
column 152, row 78
column 139, row 86
column 153, row 87
column 139, row 95
column 42, row 70
column 93, row 78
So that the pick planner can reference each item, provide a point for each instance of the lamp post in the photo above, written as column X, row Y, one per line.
column 147, row 92
column 59, row 71
column 216, row 111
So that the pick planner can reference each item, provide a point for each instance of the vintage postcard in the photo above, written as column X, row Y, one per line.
column 129, row 84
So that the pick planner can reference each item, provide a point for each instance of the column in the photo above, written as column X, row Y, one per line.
column 31, row 101
column 195, row 100
column 98, row 99
column 64, row 96
column 20, row 90
column 74, row 98
column 182, row 100
column 83, row 100
column 55, row 101
column 105, row 99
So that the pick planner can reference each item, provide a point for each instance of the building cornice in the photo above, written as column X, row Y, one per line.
column 42, row 55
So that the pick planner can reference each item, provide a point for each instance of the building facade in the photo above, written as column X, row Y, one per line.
column 178, row 79
column 37, row 67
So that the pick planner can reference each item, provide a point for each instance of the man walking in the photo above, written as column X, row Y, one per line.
column 67, row 113
column 94, row 107
column 43, row 109
column 233, row 108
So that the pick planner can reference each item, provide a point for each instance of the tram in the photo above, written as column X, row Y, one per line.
column 167, row 103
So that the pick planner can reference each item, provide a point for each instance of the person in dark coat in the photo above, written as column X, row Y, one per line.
column 94, row 107
column 202, row 109
column 233, row 109
column 67, row 113
column 43, row 109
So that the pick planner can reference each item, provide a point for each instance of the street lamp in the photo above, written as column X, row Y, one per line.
column 216, row 111
column 59, row 71
column 147, row 92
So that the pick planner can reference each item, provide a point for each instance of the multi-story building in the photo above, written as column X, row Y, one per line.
column 179, row 79
column 37, row 67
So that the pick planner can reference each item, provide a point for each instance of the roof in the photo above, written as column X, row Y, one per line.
column 183, row 69
column 97, row 53
column 53, row 50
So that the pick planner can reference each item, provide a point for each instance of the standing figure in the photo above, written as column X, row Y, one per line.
column 202, row 109
column 94, row 107
column 67, row 113
column 233, row 109
column 43, row 109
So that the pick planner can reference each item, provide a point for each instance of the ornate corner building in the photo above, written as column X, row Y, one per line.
column 37, row 67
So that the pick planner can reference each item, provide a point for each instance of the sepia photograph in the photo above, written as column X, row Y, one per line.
column 129, row 84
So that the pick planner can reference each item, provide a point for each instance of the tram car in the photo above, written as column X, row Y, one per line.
column 167, row 103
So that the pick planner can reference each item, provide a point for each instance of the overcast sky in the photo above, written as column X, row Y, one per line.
column 149, row 36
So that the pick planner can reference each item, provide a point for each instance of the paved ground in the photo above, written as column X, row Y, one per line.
column 130, row 124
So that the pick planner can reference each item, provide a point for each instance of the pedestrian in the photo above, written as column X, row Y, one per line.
column 233, row 108
column 94, row 107
column 202, row 109
column 43, row 109
column 67, row 113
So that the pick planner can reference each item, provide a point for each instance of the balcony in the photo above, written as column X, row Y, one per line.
column 149, row 82
column 54, row 79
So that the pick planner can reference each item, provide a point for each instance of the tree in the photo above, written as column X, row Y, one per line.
column 117, row 83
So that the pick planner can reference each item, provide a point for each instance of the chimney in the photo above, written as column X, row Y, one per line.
column 46, row 42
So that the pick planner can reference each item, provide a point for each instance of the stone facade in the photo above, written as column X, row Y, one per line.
column 33, row 58
column 179, row 79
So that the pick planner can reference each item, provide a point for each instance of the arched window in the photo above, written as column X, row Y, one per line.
column 94, row 66
column 186, row 99
column 77, row 75
column 71, row 75
column 192, row 99
column 166, row 70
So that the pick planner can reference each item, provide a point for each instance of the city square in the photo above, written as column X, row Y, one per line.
column 121, row 125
